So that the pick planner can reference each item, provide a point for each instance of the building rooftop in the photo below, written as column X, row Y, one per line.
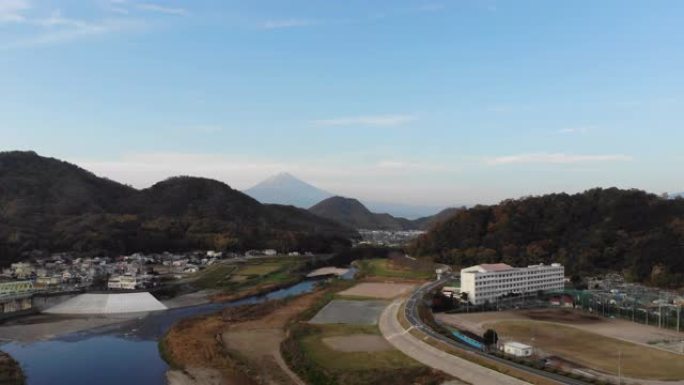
column 495, row 267
column 518, row 345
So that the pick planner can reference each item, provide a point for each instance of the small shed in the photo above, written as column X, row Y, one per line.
column 517, row 349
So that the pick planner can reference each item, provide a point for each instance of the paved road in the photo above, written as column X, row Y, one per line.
column 415, row 320
column 435, row 358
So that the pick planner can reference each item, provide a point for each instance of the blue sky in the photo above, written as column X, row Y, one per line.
column 431, row 102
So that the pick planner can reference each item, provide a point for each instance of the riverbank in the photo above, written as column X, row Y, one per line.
column 41, row 327
column 239, row 345
column 10, row 371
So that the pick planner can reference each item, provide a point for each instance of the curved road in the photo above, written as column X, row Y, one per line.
column 415, row 320
column 435, row 358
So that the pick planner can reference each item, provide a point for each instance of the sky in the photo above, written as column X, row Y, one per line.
column 409, row 101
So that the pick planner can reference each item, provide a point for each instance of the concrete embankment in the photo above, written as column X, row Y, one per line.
column 108, row 304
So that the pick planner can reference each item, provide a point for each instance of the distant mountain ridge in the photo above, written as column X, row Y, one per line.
column 51, row 205
column 285, row 189
column 352, row 213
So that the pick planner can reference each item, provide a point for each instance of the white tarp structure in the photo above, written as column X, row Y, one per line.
column 108, row 304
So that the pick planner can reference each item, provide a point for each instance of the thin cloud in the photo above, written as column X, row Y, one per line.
column 58, row 30
column 432, row 7
column 574, row 130
column 555, row 158
column 162, row 9
column 144, row 169
column 368, row 121
column 402, row 165
column 11, row 11
column 207, row 129
column 287, row 23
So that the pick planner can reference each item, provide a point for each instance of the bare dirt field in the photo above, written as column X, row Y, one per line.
column 613, row 328
column 358, row 343
column 378, row 290
column 350, row 312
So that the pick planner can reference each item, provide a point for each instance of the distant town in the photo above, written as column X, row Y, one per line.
column 63, row 271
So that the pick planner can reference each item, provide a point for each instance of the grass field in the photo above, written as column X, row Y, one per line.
column 310, row 353
column 247, row 274
column 331, row 359
column 593, row 350
column 386, row 268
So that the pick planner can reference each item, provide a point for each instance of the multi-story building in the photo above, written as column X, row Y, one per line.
column 487, row 282
column 123, row 282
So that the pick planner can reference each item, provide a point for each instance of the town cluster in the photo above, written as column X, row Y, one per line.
column 63, row 271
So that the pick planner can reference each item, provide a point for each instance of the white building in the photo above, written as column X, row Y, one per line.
column 487, row 282
column 517, row 349
column 123, row 282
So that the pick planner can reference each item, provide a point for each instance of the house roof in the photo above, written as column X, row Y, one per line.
column 517, row 345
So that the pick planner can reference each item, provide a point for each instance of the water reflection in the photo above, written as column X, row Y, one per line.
column 122, row 354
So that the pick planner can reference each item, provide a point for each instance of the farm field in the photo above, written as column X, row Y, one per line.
column 350, row 312
column 593, row 350
column 378, row 290
column 250, row 273
column 318, row 346
column 353, row 355
column 390, row 269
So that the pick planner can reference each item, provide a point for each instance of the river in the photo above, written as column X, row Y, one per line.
column 125, row 353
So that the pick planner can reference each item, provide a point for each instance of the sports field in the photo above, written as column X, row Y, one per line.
column 614, row 328
column 593, row 350
column 584, row 339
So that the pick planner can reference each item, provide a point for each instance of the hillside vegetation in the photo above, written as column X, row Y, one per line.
column 51, row 205
column 631, row 231
column 352, row 213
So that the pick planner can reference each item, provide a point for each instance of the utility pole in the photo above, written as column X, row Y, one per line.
column 660, row 315
column 603, row 306
column 619, row 367
column 679, row 311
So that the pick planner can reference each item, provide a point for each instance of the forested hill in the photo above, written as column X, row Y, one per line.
column 51, row 205
column 352, row 213
column 631, row 231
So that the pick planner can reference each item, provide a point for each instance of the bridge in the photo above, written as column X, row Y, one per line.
column 16, row 288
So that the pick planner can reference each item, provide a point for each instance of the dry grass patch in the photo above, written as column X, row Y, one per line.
column 333, row 359
column 242, row 343
column 358, row 343
column 593, row 350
